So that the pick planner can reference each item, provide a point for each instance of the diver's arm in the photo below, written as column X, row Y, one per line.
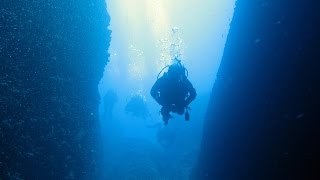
column 155, row 91
column 192, row 93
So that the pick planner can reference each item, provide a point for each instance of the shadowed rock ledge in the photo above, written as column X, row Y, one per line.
column 52, row 56
column 262, row 121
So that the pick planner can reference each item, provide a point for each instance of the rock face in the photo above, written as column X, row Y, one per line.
column 52, row 56
column 262, row 119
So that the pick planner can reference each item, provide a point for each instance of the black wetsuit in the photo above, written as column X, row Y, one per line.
column 173, row 95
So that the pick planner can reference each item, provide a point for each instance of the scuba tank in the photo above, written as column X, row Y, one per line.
column 176, row 64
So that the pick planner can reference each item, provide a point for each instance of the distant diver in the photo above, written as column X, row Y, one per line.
column 173, row 91
column 137, row 106
column 165, row 135
column 109, row 100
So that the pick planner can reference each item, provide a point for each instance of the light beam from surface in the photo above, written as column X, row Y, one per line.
column 148, row 33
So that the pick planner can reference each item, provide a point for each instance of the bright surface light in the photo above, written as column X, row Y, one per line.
column 147, row 34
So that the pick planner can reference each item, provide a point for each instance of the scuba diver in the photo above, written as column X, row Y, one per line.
column 109, row 100
column 137, row 106
column 166, row 136
column 173, row 91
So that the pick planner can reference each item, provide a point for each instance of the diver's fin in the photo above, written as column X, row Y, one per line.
column 166, row 118
column 187, row 115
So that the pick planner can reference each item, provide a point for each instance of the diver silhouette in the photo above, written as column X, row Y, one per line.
column 173, row 91
column 137, row 107
column 109, row 100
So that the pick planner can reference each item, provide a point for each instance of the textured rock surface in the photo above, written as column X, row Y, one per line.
column 262, row 119
column 52, row 56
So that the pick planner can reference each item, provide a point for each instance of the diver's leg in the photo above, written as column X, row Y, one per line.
column 165, row 112
column 183, row 110
column 180, row 110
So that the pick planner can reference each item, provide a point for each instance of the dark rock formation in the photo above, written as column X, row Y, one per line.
column 52, row 56
column 265, row 104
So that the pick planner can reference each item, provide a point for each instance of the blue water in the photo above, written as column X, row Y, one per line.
column 66, row 109
column 145, row 37
column 75, row 89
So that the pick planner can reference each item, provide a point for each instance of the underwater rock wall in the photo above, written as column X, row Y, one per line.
column 262, row 119
column 52, row 56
